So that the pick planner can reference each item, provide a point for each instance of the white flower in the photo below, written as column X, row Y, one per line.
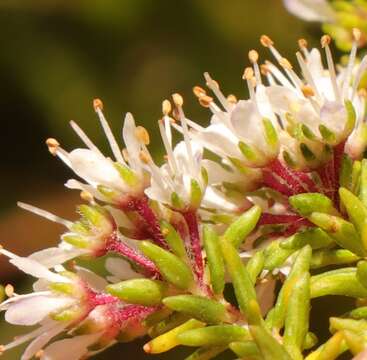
column 311, row 10
column 180, row 182
column 60, row 302
column 106, row 179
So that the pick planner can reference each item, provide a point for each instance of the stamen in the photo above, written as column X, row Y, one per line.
column 254, row 57
column 198, row 91
column 98, row 107
column 9, row 290
column 52, row 145
column 278, row 75
column 166, row 109
column 178, row 100
column 142, row 135
column 288, row 68
column 302, row 43
column 248, row 75
column 168, row 147
column 86, row 196
column 361, row 70
column 56, row 150
column 45, row 214
column 352, row 58
column 205, row 101
column 307, row 74
column 266, row 41
column 39, row 354
column 213, row 86
column 325, row 41
column 83, row 136
column 307, row 91
column 232, row 99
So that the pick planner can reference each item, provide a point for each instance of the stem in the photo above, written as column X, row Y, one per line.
column 141, row 206
column 195, row 247
column 115, row 245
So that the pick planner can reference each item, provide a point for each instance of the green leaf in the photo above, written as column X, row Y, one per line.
column 214, row 335
column 198, row 307
column 305, row 204
column 315, row 237
column 362, row 273
column 255, row 265
column 245, row 349
column 139, row 291
column 269, row 348
column 173, row 239
column 214, row 258
column 327, row 257
column 242, row 227
column 170, row 339
column 363, row 183
column 206, row 353
column 297, row 317
column 243, row 286
column 337, row 282
column 300, row 267
column 343, row 232
column 172, row 268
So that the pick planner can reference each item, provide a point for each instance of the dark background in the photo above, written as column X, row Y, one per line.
column 57, row 55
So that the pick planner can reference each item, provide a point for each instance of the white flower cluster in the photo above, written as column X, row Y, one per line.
column 287, row 138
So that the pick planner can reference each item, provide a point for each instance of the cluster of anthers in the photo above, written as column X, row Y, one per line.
column 277, row 212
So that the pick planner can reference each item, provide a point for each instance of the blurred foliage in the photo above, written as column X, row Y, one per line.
column 58, row 55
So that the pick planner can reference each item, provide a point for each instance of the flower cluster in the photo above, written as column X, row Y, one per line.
column 277, row 210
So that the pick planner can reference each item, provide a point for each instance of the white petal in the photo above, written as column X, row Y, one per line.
column 5, row 304
column 219, row 139
column 121, row 269
column 310, row 10
column 95, row 169
column 120, row 217
column 33, row 268
column 334, row 116
column 98, row 283
column 217, row 174
column 214, row 199
column 70, row 349
column 132, row 144
column 30, row 311
column 38, row 343
column 247, row 123
column 54, row 256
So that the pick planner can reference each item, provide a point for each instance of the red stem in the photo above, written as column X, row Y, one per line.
column 194, row 248
column 141, row 206
column 115, row 245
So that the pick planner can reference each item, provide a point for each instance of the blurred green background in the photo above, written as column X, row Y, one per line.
column 57, row 55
